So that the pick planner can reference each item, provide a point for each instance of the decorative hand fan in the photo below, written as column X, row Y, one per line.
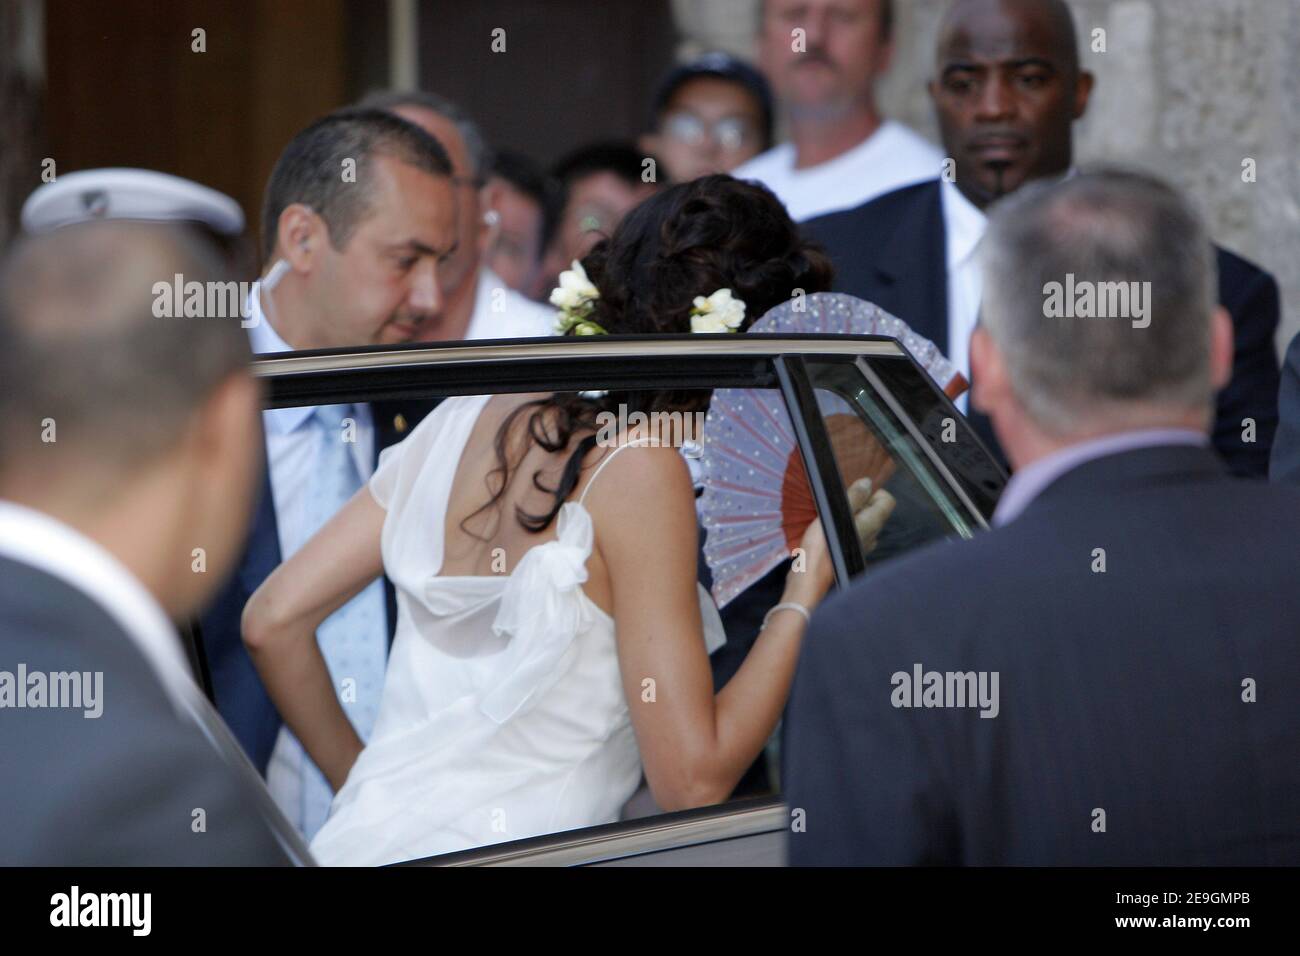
column 757, row 501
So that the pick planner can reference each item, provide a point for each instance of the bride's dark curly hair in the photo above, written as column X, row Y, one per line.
column 690, row 240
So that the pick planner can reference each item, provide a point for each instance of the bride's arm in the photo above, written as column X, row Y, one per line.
column 695, row 745
column 279, row 628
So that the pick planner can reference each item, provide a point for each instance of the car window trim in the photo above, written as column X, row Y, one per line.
column 819, row 463
column 495, row 351
column 627, row 838
column 627, row 362
column 984, row 494
column 900, row 413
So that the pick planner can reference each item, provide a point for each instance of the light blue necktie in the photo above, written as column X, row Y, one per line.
column 354, row 639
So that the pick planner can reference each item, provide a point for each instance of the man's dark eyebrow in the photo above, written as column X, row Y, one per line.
column 1016, row 64
column 1038, row 61
column 411, row 245
column 419, row 248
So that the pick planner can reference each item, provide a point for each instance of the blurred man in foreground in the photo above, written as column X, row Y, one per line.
column 1108, row 677
column 126, row 473
column 144, row 195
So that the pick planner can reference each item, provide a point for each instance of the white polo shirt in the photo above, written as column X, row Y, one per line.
column 890, row 158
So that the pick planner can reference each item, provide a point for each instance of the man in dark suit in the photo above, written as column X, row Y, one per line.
column 359, row 213
column 1007, row 90
column 125, row 470
column 1108, row 676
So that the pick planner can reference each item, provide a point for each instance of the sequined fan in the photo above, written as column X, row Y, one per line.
column 757, row 501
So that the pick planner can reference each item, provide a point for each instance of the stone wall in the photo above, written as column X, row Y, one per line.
column 1188, row 89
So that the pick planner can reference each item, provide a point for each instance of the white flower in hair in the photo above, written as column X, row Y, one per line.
column 720, row 312
column 575, row 289
column 575, row 297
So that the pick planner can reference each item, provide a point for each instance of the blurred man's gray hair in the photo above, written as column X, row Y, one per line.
column 1099, row 292
column 479, row 153
column 90, row 374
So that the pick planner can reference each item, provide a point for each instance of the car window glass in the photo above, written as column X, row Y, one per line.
column 869, row 441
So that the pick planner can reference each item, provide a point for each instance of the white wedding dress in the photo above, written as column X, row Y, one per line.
column 503, row 714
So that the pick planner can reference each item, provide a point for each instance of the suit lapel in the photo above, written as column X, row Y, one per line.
column 915, row 262
column 263, row 550
column 912, row 268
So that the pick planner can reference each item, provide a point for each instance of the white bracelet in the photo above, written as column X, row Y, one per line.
column 786, row 606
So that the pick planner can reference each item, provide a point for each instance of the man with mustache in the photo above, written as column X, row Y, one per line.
column 1007, row 89
column 823, row 59
column 358, row 218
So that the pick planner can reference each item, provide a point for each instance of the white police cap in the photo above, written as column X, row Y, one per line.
column 139, row 194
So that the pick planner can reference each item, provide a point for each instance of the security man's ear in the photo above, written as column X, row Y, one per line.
column 300, row 233
column 989, row 383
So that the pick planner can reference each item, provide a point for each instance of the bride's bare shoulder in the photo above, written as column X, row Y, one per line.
column 636, row 470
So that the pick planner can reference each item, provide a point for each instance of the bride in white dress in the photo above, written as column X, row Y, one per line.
column 552, row 641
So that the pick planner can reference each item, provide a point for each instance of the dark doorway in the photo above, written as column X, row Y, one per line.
column 573, row 71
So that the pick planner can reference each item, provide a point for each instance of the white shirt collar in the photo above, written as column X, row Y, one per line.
column 1029, row 482
column 963, row 224
column 264, row 340
column 262, row 335
column 47, row 544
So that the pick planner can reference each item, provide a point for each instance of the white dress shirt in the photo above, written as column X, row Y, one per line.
column 890, row 158
column 292, row 450
column 502, row 313
column 963, row 226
